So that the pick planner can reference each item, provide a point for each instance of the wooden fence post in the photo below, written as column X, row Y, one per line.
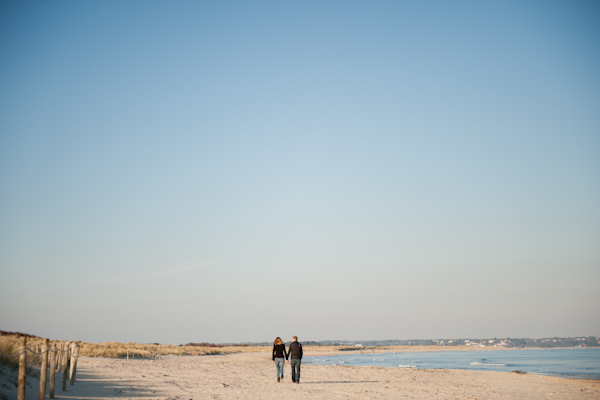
column 65, row 368
column 60, row 358
column 44, row 371
column 74, row 356
column 22, row 361
column 52, row 370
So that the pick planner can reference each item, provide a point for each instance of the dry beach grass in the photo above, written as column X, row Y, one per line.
column 118, row 349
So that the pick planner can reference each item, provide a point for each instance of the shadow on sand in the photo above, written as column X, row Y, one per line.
column 92, row 387
column 326, row 382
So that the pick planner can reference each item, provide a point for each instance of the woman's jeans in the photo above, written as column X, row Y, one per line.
column 279, row 363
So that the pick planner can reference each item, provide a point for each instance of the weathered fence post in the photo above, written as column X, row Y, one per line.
column 60, row 358
column 74, row 356
column 44, row 371
column 53, row 369
column 65, row 368
column 22, row 361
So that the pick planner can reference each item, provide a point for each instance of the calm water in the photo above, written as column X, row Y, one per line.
column 567, row 363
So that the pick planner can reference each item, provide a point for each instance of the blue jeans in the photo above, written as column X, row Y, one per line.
column 279, row 363
column 295, row 369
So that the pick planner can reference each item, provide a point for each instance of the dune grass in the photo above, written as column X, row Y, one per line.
column 9, row 342
column 10, row 345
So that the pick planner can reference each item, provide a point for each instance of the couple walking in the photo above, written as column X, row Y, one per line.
column 295, row 354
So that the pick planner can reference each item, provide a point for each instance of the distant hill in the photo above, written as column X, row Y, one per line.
column 17, row 334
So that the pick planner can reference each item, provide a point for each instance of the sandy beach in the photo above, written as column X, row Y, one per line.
column 252, row 376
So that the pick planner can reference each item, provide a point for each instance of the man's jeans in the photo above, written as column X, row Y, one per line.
column 279, row 363
column 295, row 369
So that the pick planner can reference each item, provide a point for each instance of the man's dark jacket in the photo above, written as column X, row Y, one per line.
column 295, row 351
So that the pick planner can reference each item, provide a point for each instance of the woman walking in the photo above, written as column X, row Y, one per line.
column 278, row 357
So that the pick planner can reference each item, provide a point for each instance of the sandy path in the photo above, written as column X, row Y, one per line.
column 252, row 376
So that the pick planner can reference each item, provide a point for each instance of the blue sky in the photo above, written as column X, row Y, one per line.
column 235, row 171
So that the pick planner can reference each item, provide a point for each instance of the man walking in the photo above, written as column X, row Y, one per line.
column 295, row 354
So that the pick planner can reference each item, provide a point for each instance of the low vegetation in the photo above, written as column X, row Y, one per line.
column 10, row 345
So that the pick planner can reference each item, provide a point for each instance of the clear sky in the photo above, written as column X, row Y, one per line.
column 234, row 171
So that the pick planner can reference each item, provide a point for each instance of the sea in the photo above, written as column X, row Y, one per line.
column 582, row 363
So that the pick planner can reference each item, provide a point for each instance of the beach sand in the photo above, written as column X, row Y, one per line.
column 252, row 376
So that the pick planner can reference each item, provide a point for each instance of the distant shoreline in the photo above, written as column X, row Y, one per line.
column 310, row 350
